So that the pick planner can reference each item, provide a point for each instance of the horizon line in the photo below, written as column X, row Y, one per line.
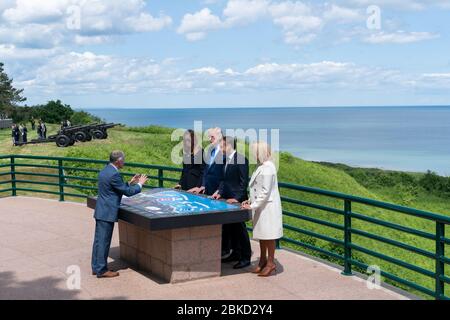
column 266, row 107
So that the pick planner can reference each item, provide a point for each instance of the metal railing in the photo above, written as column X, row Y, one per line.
column 58, row 172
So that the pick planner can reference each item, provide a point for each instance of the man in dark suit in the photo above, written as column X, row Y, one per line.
column 111, row 188
column 234, row 189
column 15, row 134
column 213, row 173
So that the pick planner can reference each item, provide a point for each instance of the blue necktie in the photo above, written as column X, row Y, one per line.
column 213, row 153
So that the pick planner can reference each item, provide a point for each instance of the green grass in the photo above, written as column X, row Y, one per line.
column 152, row 145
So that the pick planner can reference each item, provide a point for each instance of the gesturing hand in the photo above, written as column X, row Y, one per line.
column 135, row 179
column 143, row 179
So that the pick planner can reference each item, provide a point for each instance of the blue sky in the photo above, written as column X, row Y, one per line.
column 228, row 53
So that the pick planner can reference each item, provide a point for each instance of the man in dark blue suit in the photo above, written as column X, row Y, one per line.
column 213, row 173
column 111, row 188
column 233, row 188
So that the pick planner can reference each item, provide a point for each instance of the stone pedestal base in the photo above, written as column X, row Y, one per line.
column 174, row 255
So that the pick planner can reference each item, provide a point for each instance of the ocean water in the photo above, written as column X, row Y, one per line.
column 398, row 138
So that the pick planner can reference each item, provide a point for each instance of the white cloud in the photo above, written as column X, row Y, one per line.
column 295, row 18
column 343, row 14
column 145, row 22
column 399, row 37
column 46, row 23
column 31, row 36
column 205, row 70
column 11, row 52
column 302, row 22
column 29, row 11
column 74, row 73
column 297, row 21
column 244, row 11
column 195, row 25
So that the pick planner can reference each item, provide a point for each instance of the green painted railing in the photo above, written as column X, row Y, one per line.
column 56, row 172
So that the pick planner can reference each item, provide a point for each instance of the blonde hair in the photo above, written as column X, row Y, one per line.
column 261, row 151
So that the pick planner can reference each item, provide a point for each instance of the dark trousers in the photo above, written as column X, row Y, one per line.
column 102, row 243
column 226, row 239
column 237, row 235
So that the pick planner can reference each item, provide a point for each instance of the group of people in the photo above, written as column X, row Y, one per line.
column 41, row 130
column 223, row 173
column 65, row 124
column 219, row 172
column 19, row 134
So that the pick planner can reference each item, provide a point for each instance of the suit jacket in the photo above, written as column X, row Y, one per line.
column 111, row 188
column 193, row 169
column 235, row 180
column 15, row 133
column 213, row 173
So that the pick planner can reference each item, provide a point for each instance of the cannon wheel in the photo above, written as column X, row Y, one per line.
column 80, row 136
column 62, row 141
column 97, row 134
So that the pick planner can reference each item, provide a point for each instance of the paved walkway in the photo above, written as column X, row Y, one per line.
column 40, row 239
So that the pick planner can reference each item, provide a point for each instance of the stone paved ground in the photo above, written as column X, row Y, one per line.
column 40, row 239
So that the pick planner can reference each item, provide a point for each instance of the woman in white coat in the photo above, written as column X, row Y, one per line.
column 265, row 203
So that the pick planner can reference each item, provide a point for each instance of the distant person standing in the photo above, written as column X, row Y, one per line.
column 233, row 188
column 15, row 134
column 193, row 163
column 39, row 130
column 33, row 124
column 44, row 130
column 111, row 188
column 24, row 133
column 265, row 203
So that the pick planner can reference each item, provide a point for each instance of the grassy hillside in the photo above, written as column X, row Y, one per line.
column 152, row 145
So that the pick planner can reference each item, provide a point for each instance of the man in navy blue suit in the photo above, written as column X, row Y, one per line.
column 111, row 188
column 213, row 173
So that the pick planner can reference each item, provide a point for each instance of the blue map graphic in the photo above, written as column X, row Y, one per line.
column 168, row 202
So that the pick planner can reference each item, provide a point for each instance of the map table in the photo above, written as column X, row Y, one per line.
column 173, row 234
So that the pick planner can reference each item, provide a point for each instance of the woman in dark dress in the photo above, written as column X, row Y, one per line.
column 193, row 163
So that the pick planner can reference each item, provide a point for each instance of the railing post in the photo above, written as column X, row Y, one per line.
column 160, row 178
column 440, row 253
column 61, row 180
column 13, row 177
column 347, row 238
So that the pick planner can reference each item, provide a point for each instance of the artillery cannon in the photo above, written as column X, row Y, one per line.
column 69, row 135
